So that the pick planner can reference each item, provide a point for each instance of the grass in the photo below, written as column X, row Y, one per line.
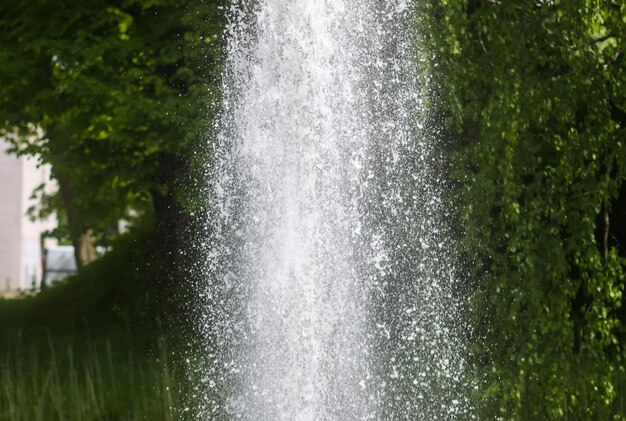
column 90, row 380
column 92, row 347
column 46, row 378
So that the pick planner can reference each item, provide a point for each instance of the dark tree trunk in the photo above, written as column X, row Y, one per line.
column 176, row 231
column 81, row 236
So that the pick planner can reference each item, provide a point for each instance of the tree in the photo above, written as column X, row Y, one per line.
column 122, row 92
column 537, row 93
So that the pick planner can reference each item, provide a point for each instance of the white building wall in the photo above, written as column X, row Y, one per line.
column 20, row 238
column 10, row 219
column 33, row 175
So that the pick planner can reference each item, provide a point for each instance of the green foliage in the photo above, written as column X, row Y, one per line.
column 117, row 98
column 537, row 93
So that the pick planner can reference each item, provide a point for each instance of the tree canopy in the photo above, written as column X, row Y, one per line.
column 535, row 94
column 121, row 94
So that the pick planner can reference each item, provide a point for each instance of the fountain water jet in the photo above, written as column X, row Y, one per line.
column 330, row 292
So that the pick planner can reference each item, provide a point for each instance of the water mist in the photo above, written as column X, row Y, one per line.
column 330, row 289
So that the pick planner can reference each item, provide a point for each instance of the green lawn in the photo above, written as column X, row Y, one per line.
column 74, row 376
column 102, row 345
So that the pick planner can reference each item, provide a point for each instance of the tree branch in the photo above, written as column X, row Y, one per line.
column 602, row 38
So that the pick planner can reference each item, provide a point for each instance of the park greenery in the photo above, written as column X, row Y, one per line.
column 529, row 97
column 535, row 98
